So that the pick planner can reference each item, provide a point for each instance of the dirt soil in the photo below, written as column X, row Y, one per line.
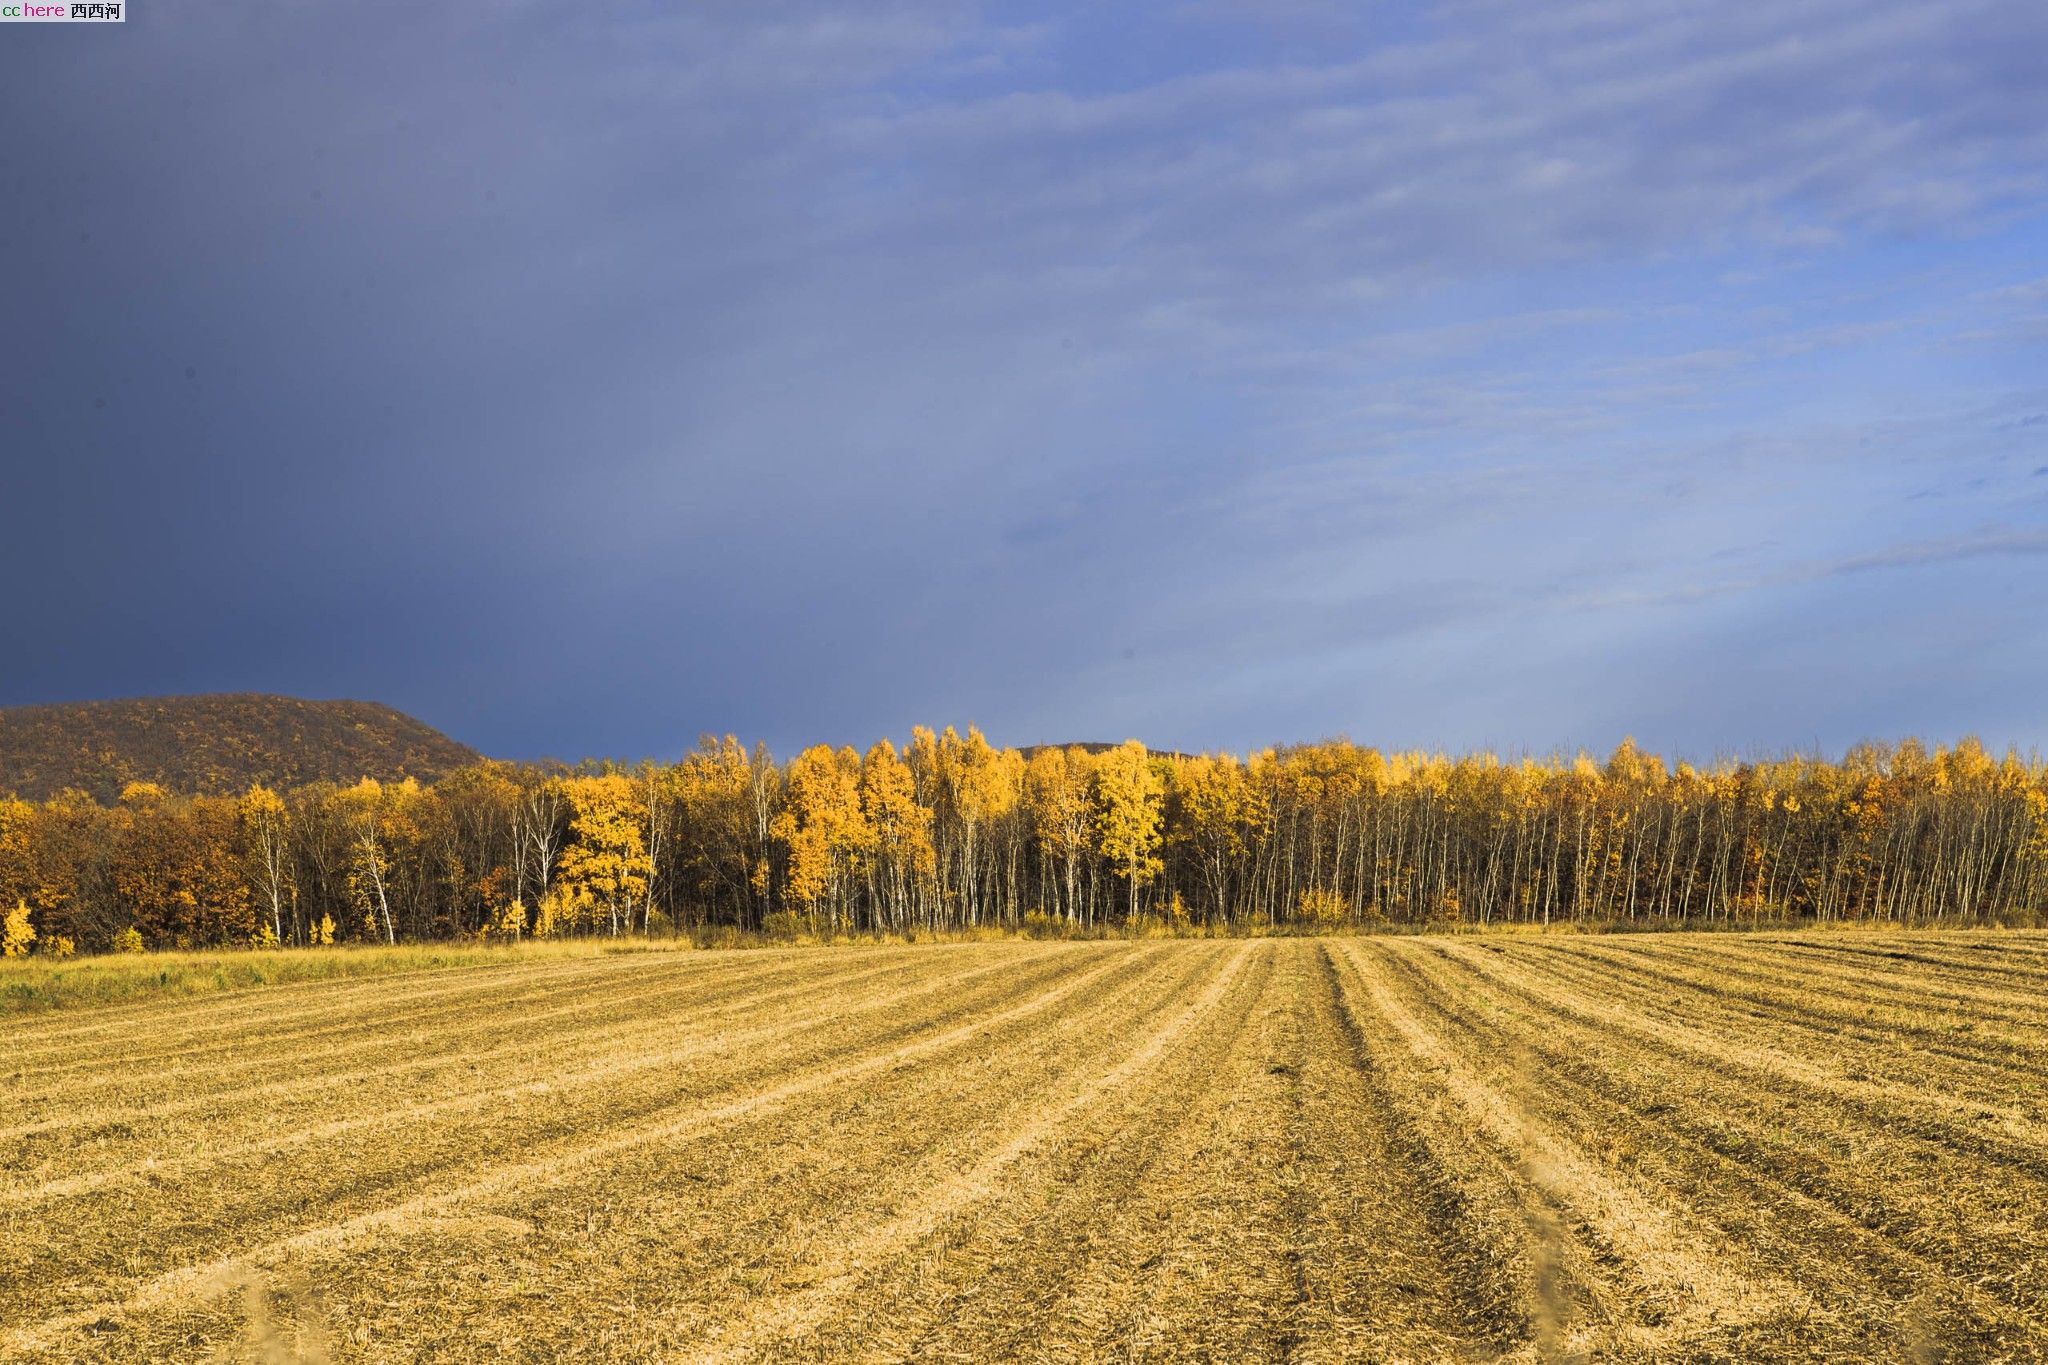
column 1817, row 1147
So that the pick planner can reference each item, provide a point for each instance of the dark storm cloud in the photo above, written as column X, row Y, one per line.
column 583, row 378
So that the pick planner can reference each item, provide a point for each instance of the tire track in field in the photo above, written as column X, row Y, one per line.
column 1738, row 1184
column 1395, row 1265
column 795, row 1315
column 260, row 1047
column 548, row 1082
column 255, row 1007
column 450, row 1050
column 193, row 1015
column 1005, row 1278
column 1675, row 1265
column 1882, row 960
column 1526, row 1282
column 1304, row 1315
column 705, row 1228
column 1980, row 1070
column 195, row 1279
column 1216, row 1215
column 650, row 1200
column 1975, row 984
column 1588, row 1055
column 2019, row 1139
column 1774, row 982
column 1774, row 967
column 100, row 1232
column 263, row 1045
column 1865, row 1044
column 1824, row 998
column 1266, row 1239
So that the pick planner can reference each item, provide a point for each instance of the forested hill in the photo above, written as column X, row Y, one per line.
column 217, row 743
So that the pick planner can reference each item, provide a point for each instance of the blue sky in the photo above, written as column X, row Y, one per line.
column 583, row 378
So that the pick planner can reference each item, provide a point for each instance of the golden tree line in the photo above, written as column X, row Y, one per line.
column 951, row 832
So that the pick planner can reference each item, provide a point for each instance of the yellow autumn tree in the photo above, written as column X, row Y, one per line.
column 17, row 848
column 266, row 858
column 986, row 785
column 1059, row 798
column 727, row 799
column 17, row 935
column 172, row 865
column 509, row 923
column 970, row 786
column 548, row 913
column 823, row 829
column 605, row 861
column 901, row 857
column 1127, row 816
column 380, row 826
column 1219, row 813
column 1321, row 908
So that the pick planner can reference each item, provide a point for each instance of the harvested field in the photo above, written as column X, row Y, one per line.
column 1794, row 1147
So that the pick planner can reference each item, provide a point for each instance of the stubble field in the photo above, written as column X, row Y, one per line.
column 1817, row 1147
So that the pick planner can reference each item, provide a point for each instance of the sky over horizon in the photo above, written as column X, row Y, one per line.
column 581, row 379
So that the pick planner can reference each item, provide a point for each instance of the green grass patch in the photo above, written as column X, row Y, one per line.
column 31, row 985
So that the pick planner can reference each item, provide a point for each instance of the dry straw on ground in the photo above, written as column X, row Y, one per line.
column 1730, row 1148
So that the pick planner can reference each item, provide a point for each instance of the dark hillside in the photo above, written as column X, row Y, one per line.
column 216, row 743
